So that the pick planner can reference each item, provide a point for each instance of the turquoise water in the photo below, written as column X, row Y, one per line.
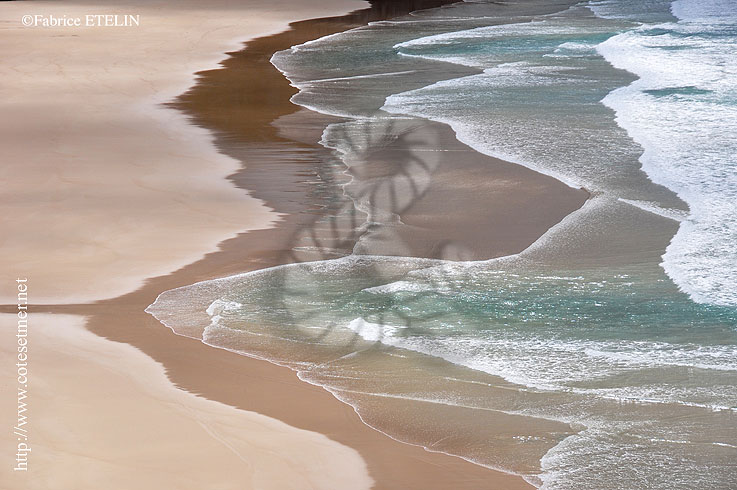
column 676, row 121
column 593, row 333
column 617, row 329
column 645, row 377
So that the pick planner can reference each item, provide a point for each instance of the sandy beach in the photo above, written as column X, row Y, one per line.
column 126, row 426
column 154, row 182
column 101, row 93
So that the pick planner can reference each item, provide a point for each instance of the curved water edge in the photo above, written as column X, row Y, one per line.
column 583, row 322
column 322, row 338
column 685, row 121
column 654, row 110
column 182, row 309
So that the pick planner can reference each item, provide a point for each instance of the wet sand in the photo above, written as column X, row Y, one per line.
column 104, row 186
column 104, row 415
column 276, row 143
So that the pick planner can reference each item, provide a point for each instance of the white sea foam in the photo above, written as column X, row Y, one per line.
column 686, row 121
column 489, row 112
column 537, row 28
column 372, row 332
column 401, row 286
column 467, row 131
column 218, row 306
column 556, row 364
column 655, row 208
column 634, row 10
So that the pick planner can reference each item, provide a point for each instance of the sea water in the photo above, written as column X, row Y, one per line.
column 608, row 349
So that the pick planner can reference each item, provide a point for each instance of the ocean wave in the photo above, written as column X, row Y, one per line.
column 686, row 125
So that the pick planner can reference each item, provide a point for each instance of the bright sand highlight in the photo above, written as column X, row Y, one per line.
column 102, row 185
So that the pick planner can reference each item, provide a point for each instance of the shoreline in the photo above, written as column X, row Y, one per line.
column 217, row 446
column 262, row 387
column 170, row 190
